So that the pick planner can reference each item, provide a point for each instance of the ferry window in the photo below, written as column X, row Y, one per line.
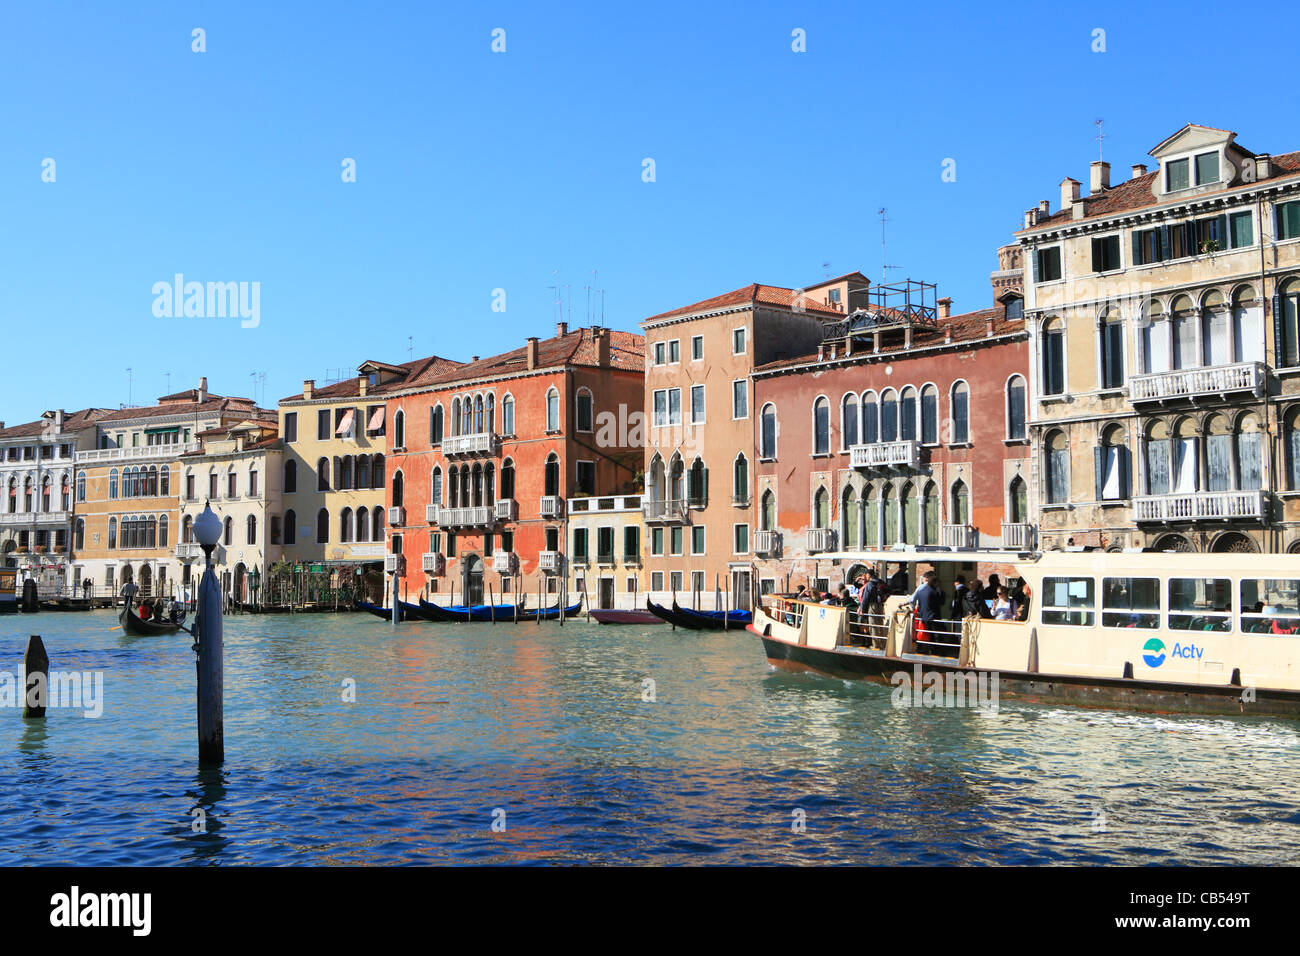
column 1069, row 601
column 1130, row 602
column 1200, row 604
column 1270, row 606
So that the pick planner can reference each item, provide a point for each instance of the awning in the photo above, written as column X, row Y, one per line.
column 376, row 420
column 345, row 425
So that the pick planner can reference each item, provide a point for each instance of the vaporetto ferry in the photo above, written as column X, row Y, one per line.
column 1150, row 631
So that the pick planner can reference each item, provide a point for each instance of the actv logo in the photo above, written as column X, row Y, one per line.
column 1155, row 652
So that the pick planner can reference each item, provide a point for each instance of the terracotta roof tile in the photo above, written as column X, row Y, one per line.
column 408, row 372
column 72, row 422
column 753, row 294
column 626, row 352
column 236, row 406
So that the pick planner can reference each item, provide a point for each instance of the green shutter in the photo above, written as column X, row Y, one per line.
column 1098, row 470
column 1279, row 331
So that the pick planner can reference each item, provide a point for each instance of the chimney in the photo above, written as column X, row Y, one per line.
column 1069, row 192
column 1043, row 207
column 947, row 335
column 1031, row 218
column 474, row 358
column 363, row 385
column 1138, row 169
column 532, row 351
column 202, row 395
column 307, row 385
column 561, row 329
column 988, row 323
column 945, row 307
column 1263, row 166
column 1099, row 180
column 602, row 347
column 58, row 419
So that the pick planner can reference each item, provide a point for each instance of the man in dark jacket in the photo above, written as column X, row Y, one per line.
column 929, row 607
column 957, row 610
column 974, row 602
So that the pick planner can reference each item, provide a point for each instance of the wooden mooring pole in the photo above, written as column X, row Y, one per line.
column 212, row 745
column 36, row 667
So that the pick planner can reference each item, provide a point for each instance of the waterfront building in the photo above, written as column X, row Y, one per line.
column 905, row 425
column 486, row 456
column 128, row 488
column 1165, row 390
column 335, row 445
column 37, row 479
column 238, row 470
column 702, row 422
column 605, row 545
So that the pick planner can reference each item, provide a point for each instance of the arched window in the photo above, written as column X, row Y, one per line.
column 930, row 506
column 1247, row 344
column 870, row 418
column 398, row 482
column 911, row 514
column 1053, row 353
column 290, row 476
column 112, row 483
column 435, row 486
column 435, row 425
column 1187, row 351
column 907, row 414
column 323, row 474
column 79, row 534
column 508, row 415
column 1186, row 458
column 399, row 429
column 697, row 484
column 476, row 485
column 1018, row 500
column 81, row 486
column 363, row 524
column 489, row 484
column 1110, row 348
column 1216, row 347
column 1111, row 465
column 821, row 509
column 232, row 483
column 290, row 527
column 1159, row 459
column 187, row 529
column 1154, row 332
column 1016, row 408
column 740, row 480
column 478, row 414
column 1250, row 454
column 959, row 401
column 850, row 516
column 345, row 525
column 112, row 532
column 1286, row 305
column 871, row 518
column 453, row 487
column 889, row 415
column 65, row 494
column 455, row 416
column 338, row 474
column 164, row 480
column 228, row 535
column 377, row 525
column 28, row 504
column 162, row 531
column 13, row 496
column 508, row 479
column 767, row 440
column 959, row 510
column 584, row 410
column 347, row 474
column 377, row 471
column 929, row 415
column 821, row 427
column 848, row 421
column 551, row 476
column 767, row 512
column 889, row 533
column 676, row 479
column 491, row 415
column 552, row 411
column 1056, row 464
column 1291, row 437
column 46, row 486
column 322, row 526
column 250, row 529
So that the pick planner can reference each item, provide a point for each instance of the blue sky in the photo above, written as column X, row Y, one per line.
column 522, row 170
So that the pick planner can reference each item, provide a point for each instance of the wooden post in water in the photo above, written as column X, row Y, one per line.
column 538, row 620
column 492, row 603
column 726, row 607
column 210, row 647
column 674, row 622
column 397, row 585
column 564, row 597
column 36, row 667
column 586, row 600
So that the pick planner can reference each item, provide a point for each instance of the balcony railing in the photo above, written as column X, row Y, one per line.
column 397, row 517
column 552, row 506
column 605, row 503
column 507, row 509
column 664, row 510
column 821, row 539
column 1202, row 506
column 550, row 560
column 886, row 454
column 189, row 550
column 136, row 453
column 767, row 542
column 1191, row 383
column 473, row 517
column 1017, row 535
column 605, row 559
column 432, row 562
column 504, row 562
column 21, row 518
column 485, row 443
column 393, row 563
column 958, row 536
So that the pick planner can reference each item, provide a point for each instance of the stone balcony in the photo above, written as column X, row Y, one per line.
column 958, row 536
column 821, row 539
column 432, row 562
column 551, row 561
column 461, row 446
column 1202, row 506
column 886, row 454
column 504, row 562
column 664, row 511
column 22, row 519
column 1017, row 535
column 480, row 516
column 767, row 542
column 1189, row 384
column 139, row 453
column 189, row 550
column 507, row 509
column 552, row 506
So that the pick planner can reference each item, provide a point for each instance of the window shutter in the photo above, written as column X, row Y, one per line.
column 1033, row 259
column 1099, row 470
column 1224, row 241
column 704, row 486
column 1162, row 253
column 1124, row 472
column 1137, row 248
column 1279, row 330
column 1098, row 255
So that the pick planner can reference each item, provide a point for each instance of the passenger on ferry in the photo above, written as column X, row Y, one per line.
column 957, row 610
column 928, row 601
column 898, row 583
column 990, row 593
column 845, row 597
column 1004, row 606
column 975, row 606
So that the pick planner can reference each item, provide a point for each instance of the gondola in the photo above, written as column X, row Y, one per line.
column 133, row 623
column 385, row 612
column 446, row 615
column 413, row 612
column 631, row 616
column 699, row 620
column 462, row 614
column 550, row 613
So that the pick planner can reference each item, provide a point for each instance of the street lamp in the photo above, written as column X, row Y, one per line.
column 212, row 749
column 207, row 530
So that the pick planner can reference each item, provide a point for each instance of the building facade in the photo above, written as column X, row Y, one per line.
column 493, row 450
column 1166, row 383
column 605, row 550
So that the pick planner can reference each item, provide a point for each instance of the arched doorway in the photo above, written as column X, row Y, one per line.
column 146, row 579
column 239, row 582
column 1233, row 542
column 10, row 560
column 473, row 579
column 1172, row 542
column 1294, row 547
column 128, row 575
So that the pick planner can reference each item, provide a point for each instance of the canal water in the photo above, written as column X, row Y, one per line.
column 546, row 732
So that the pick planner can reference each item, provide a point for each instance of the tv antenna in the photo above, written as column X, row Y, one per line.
column 884, row 262
column 826, row 270
column 169, row 382
column 410, row 347
column 129, row 382
column 1101, row 135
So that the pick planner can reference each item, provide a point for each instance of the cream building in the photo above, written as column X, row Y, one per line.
column 606, row 535
column 1165, row 383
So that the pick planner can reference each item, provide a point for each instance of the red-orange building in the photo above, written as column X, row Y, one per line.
column 482, row 459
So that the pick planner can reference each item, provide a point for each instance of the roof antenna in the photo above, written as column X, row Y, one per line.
column 826, row 270
column 1101, row 135
column 410, row 347
column 884, row 267
column 129, row 381
column 169, row 382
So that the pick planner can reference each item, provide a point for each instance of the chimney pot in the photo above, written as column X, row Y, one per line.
column 1069, row 192
column 1263, row 166
column 308, row 385
column 1138, row 169
column 1099, row 178
column 561, row 328
column 532, row 351
column 945, row 307
column 1031, row 218
column 602, row 347
column 1043, row 207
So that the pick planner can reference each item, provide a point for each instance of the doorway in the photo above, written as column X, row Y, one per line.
column 473, row 580
column 606, row 593
column 741, row 593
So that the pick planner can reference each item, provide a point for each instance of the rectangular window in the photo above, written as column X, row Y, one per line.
column 674, row 406
column 675, row 541
column 1112, row 355
column 631, row 544
column 697, row 540
column 1207, row 168
column 291, row 426
column 674, row 351
column 659, row 353
column 1048, row 263
column 1200, row 604
column 1016, row 410
column 660, row 407
column 1288, row 220
column 740, row 399
column 1177, row 175
column 451, row 545
column 1054, row 362
column 657, row 541
column 1105, row 254
column 697, row 581
column 605, row 545
column 580, row 545
column 657, row 581
column 1130, row 602
column 742, row 539
column 586, row 477
column 697, row 348
column 323, row 425
column 697, row 404
column 1147, row 246
column 1068, row 601
column 738, row 341
column 675, row 579
column 1270, row 606
column 1239, row 228
column 960, row 415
